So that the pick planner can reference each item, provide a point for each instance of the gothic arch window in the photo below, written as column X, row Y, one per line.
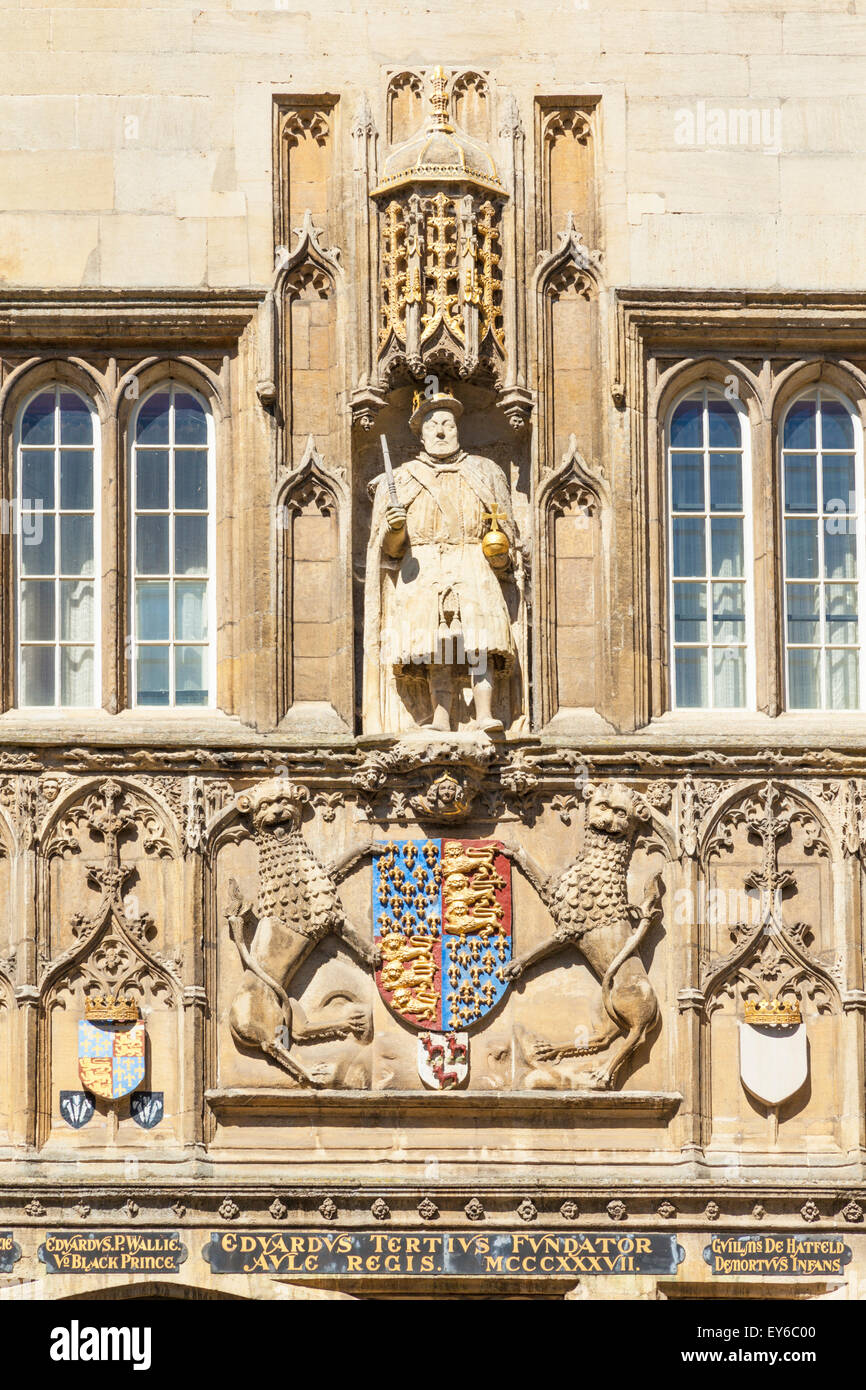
column 172, row 545
column 57, row 568
column 710, row 553
column 823, row 551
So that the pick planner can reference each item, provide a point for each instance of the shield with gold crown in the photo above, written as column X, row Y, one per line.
column 111, row 1047
column 774, row 1051
column 442, row 910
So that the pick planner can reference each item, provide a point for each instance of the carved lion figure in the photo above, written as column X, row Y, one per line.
column 298, row 905
column 589, row 905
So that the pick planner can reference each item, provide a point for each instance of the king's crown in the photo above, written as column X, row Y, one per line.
column 111, row 1008
column 773, row 1013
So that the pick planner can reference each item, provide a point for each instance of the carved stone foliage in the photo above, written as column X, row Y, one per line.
column 771, row 956
column 438, row 780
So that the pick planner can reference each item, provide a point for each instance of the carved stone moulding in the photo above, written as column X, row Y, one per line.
column 584, row 1206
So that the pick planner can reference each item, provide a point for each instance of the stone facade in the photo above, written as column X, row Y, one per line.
column 587, row 212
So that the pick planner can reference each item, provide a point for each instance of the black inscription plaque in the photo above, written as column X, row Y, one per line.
column 112, row 1252
column 10, row 1251
column 541, row 1254
column 799, row 1255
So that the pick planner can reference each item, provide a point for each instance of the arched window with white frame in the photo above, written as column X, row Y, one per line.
column 57, row 550
column 710, row 553
column 172, row 550
column 822, row 547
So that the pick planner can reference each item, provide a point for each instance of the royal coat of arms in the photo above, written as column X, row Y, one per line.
column 111, row 1047
column 442, row 910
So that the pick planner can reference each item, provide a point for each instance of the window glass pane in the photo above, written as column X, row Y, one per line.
column 726, row 483
column 76, row 676
column 152, row 670
column 724, row 425
column 800, row 426
column 842, row 679
column 76, row 423
column 803, row 613
column 687, row 425
column 151, row 544
column 76, row 545
column 801, row 486
column 191, row 665
column 37, row 424
column 152, row 420
column 801, row 549
column 690, row 612
column 190, row 544
column 729, row 677
column 37, row 675
column 689, row 556
column 37, row 610
column 839, row 485
column 804, row 691
column 190, row 611
column 37, row 543
column 190, row 479
column 152, row 615
column 76, row 479
column 190, row 422
column 840, row 554
column 837, row 427
column 726, row 541
column 690, row 664
column 151, row 480
column 729, row 612
column 840, row 610
column 76, row 611
column 37, row 478
column 687, row 482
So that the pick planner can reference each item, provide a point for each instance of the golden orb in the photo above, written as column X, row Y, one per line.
column 494, row 545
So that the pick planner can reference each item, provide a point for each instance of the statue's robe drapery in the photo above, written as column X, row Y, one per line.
column 442, row 597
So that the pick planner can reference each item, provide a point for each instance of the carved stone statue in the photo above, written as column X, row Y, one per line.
column 441, row 604
column 298, row 906
column 589, row 904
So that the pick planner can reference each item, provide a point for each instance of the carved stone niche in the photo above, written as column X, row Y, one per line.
column 772, row 917
column 315, row 677
column 571, row 641
column 440, row 201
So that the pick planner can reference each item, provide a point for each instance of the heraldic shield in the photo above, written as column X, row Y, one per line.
column 774, row 1055
column 111, row 1057
column 442, row 910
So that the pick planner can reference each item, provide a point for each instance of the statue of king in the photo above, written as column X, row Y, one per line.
column 438, row 634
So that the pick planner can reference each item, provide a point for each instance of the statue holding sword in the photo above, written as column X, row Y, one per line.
column 440, row 598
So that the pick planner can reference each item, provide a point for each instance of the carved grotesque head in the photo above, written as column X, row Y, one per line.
column 615, row 810
column 275, row 802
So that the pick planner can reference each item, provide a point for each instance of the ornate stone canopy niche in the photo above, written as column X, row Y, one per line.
column 440, row 202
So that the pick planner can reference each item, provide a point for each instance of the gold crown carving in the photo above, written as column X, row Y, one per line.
column 773, row 1013
column 111, row 1008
